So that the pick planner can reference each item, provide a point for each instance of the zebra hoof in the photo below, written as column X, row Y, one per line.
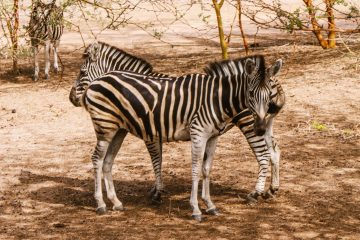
column 252, row 198
column 35, row 78
column 101, row 210
column 156, row 199
column 152, row 191
column 268, row 195
column 155, row 196
column 214, row 212
column 271, row 193
column 118, row 208
column 47, row 76
column 198, row 218
column 56, row 70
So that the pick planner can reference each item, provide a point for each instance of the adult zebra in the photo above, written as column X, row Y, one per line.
column 193, row 107
column 100, row 58
column 45, row 28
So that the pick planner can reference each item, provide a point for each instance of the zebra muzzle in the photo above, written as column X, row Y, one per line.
column 73, row 99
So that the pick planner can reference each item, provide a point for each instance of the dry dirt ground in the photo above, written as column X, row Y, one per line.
column 46, row 177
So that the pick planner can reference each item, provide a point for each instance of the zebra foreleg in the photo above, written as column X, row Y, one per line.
column 275, row 161
column 263, row 161
column 36, row 63
column 155, row 151
column 47, row 58
column 262, row 154
column 198, row 145
column 55, row 47
column 111, row 153
column 207, row 165
column 97, row 160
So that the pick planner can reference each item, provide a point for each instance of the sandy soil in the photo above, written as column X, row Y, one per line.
column 46, row 183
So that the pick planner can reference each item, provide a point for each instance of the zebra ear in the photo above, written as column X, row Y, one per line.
column 275, row 68
column 250, row 66
column 93, row 51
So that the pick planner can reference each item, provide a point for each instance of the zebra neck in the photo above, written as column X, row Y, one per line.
column 231, row 94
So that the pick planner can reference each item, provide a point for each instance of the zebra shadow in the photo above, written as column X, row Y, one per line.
column 78, row 193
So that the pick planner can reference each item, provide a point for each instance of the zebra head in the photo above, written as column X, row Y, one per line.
column 100, row 58
column 258, row 94
column 37, row 17
column 90, row 56
column 42, row 11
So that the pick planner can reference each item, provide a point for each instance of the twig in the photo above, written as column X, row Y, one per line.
column 169, row 215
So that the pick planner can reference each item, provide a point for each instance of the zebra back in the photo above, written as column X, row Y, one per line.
column 164, row 108
column 101, row 58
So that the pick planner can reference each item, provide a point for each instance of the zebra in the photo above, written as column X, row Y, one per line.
column 100, row 57
column 195, row 107
column 45, row 28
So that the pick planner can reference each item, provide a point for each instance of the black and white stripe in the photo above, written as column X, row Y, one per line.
column 194, row 107
column 45, row 28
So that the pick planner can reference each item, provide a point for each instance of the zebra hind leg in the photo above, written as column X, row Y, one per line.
column 207, row 165
column 111, row 153
column 97, row 160
column 155, row 151
column 198, row 145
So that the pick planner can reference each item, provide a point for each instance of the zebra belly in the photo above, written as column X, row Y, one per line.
column 181, row 135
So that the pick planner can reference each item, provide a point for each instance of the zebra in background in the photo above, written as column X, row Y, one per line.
column 45, row 28
column 194, row 107
column 100, row 58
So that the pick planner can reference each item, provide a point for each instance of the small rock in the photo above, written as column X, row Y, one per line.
column 59, row 225
column 13, row 111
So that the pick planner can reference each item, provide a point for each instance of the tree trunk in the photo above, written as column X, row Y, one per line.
column 246, row 46
column 331, row 23
column 223, row 44
column 13, row 27
column 330, row 42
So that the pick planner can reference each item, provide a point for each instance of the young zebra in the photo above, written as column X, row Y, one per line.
column 100, row 58
column 45, row 28
column 193, row 107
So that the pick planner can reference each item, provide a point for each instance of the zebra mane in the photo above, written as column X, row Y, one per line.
column 229, row 67
column 127, row 55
